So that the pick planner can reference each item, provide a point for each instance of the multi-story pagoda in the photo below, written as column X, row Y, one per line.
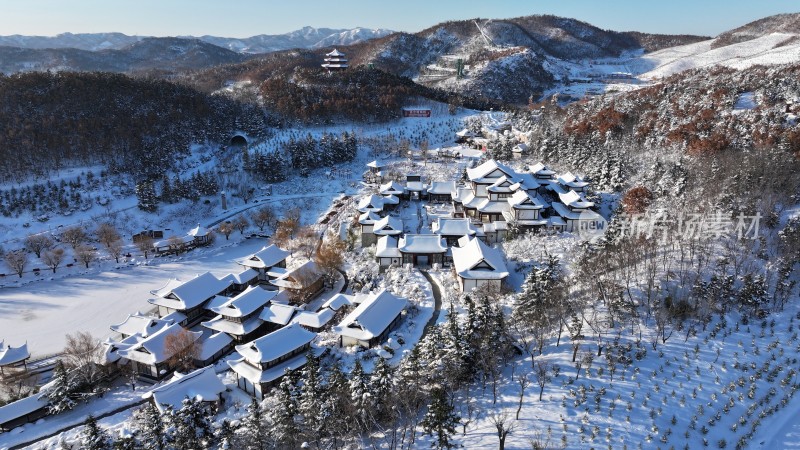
column 335, row 60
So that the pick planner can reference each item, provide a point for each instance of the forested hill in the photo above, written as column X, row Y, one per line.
column 139, row 126
column 706, row 138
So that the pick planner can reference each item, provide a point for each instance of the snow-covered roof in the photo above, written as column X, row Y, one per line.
column 140, row 324
column 523, row 200
column 453, row 227
column 471, row 201
column 255, row 375
column 461, row 194
column 566, row 213
column 276, row 344
column 300, row 277
column 12, row 355
column 266, row 257
column 391, row 200
column 253, row 298
column 334, row 53
column 277, row 313
column 371, row 203
column 213, row 344
column 502, row 185
column 219, row 323
column 191, row 293
column 243, row 277
column 492, row 227
column 175, row 316
column 489, row 170
column 22, row 407
column 493, row 206
column 525, row 181
column 465, row 133
column 198, row 231
column 217, row 301
column 539, row 170
column 442, row 188
column 478, row 261
column 314, row 319
column 389, row 225
column 173, row 241
column 415, row 186
column 391, row 188
column 574, row 200
column 422, row 243
column 202, row 384
column 386, row 247
column 572, row 181
column 368, row 218
column 509, row 217
column 151, row 349
column 338, row 301
column 372, row 316
column 520, row 148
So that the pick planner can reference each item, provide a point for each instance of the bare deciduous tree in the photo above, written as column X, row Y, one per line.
column 262, row 217
column 183, row 349
column 16, row 260
column 543, row 375
column 115, row 249
column 38, row 243
column 74, row 236
column 502, row 422
column 330, row 258
column 524, row 382
column 145, row 245
column 83, row 353
column 53, row 258
column 306, row 242
column 225, row 228
column 106, row 234
column 85, row 254
column 240, row 223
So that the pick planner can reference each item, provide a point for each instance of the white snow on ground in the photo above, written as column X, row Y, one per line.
column 762, row 50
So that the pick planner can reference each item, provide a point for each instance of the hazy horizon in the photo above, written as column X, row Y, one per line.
column 251, row 17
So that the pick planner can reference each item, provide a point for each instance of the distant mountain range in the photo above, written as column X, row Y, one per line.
column 117, row 52
column 306, row 37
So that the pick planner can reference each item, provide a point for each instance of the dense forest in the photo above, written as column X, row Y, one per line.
column 359, row 94
column 132, row 125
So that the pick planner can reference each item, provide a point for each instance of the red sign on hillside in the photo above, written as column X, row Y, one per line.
column 416, row 112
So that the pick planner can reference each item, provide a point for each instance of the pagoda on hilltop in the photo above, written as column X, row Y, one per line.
column 335, row 60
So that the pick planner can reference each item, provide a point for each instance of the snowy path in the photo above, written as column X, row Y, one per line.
column 437, row 300
column 120, row 399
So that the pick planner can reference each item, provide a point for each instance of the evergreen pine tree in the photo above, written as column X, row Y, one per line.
column 59, row 392
column 224, row 435
column 93, row 436
column 360, row 395
column 192, row 425
column 381, row 384
column 149, row 427
column 284, row 415
column 146, row 196
column 312, row 403
column 440, row 421
column 124, row 442
column 252, row 433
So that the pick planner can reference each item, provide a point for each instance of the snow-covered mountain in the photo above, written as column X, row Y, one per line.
column 161, row 54
column 306, row 37
column 80, row 41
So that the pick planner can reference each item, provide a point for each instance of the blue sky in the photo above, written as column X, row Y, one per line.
column 241, row 18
